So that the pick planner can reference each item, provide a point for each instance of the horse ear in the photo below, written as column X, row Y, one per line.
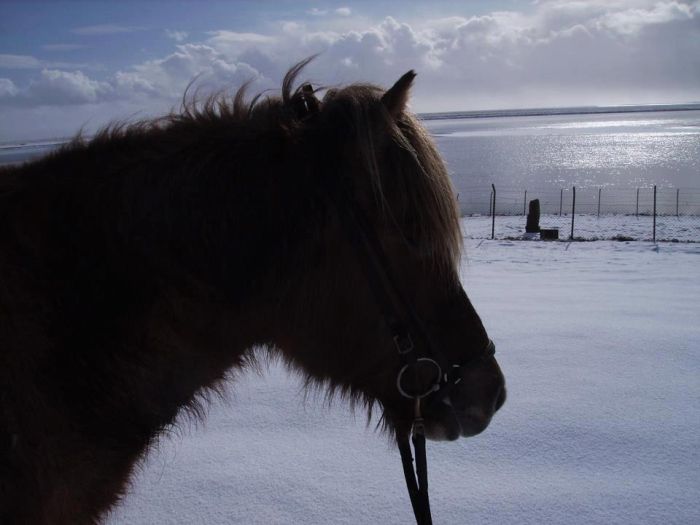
column 396, row 98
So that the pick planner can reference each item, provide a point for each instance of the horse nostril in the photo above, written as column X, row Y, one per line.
column 501, row 398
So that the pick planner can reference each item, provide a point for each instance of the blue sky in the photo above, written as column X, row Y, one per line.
column 66, row 65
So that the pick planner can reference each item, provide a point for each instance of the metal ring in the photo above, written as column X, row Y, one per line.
column 431, row 389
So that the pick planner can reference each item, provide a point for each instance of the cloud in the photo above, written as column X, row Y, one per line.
column 558, row 53
column 631, row 21
column 55, row 87
column 62, row 47
column 168, row 77
column 105, row 29
column 341, row 11
column 7, row 88
column 178, row 36
column 163, row 79
column 554, row 53
column 232, row 37
column 233, row 45
column 19, row 62
column 30, row 62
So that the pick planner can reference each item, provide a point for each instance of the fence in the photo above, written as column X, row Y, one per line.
column 648, row 213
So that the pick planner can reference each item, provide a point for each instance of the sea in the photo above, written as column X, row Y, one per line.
column 612, row 155
column 615, row 150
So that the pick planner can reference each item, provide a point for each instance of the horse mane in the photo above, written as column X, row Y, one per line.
column 417, row 197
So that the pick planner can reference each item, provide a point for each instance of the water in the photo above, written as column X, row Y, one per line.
column 18, row 153
column 589, row 150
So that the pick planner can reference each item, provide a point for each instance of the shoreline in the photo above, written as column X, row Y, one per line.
column 544, row 112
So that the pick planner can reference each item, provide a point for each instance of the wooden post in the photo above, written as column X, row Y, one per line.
column 573, row 212
column 653, row 237
column 599, row 190
column 678, row 190
column 493, row 212
column 636, row 210
column 533, row 217
column 524, row 202
column 561, row 199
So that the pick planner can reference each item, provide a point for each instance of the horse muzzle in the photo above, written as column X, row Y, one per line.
column 466, row 412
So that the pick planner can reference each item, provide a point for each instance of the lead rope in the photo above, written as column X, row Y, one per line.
column 416, row 481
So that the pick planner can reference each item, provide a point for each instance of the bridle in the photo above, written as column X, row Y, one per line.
column 403, row 323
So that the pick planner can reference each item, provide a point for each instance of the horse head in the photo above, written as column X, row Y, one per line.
column 392, row 321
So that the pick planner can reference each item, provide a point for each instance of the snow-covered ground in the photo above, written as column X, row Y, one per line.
column 685, row 228
column 600, row 344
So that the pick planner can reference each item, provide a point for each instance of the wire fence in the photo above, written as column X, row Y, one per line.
column 645, row 213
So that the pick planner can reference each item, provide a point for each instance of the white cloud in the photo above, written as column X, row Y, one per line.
column 556, row 53
column 7, row 88
column 229, row 37
column 233, row 43
column 340, row 11
column 130, row 84
column 62, row 47
column 55, row 87
column 168, row 77
column 178, row 36
column 631, row 21
column 19, row 62
column 105, row 29
column 30, row 62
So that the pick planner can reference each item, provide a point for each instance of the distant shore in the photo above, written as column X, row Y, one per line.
column 539, row 112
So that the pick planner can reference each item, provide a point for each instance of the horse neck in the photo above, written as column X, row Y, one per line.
column 168, row 265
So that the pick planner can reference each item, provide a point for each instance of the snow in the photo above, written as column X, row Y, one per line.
column 599, row 343
column 685, row 228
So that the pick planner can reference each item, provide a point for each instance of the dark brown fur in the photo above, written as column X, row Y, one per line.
column 137, row 268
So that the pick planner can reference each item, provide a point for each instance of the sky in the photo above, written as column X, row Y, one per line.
column 66, row 66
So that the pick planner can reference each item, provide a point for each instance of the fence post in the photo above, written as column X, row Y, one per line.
column 561, row 199
column 636, row 210
column 573, row 212
column 599, row 190
column 493, row 211
column 678, row 190
column 524, row 202
column 653, row 237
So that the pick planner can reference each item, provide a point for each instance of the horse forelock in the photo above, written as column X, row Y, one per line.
column 405, row 171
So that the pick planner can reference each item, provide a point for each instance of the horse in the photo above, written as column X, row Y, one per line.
column 141, row 266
